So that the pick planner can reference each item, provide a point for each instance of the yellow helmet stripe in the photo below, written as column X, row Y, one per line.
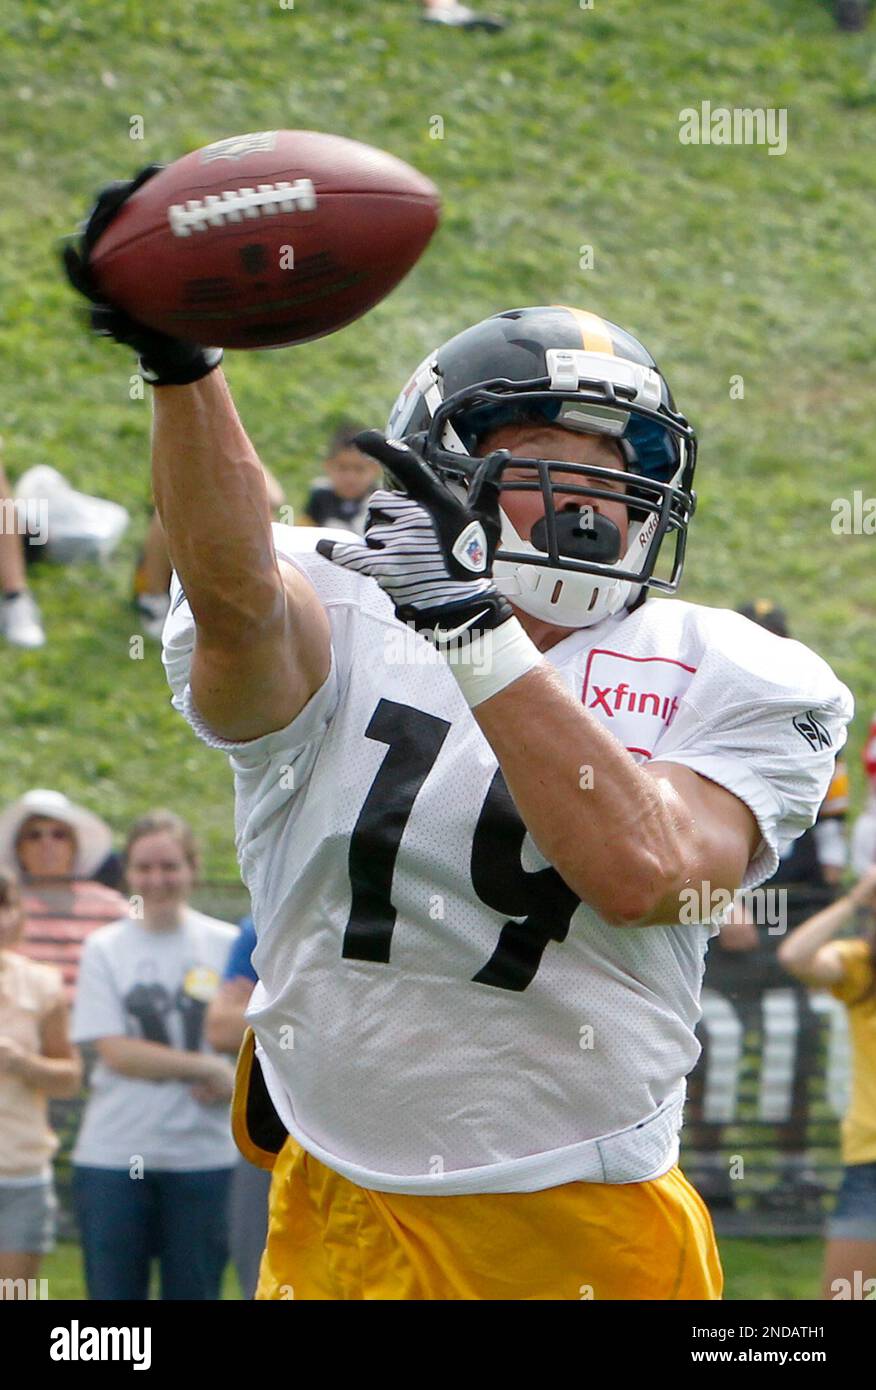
column 595, row 336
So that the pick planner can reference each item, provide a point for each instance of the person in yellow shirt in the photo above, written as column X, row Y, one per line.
column 848, row 969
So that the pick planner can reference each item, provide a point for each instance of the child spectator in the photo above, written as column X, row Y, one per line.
column 848, row 970
column 36, row 1061
column 57, row 847
column 154, row 1156
column 341, row 497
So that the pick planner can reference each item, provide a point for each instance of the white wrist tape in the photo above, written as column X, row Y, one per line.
column 487, row 664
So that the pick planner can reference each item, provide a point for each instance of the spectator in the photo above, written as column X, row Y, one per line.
column 20, row 621
column 151, row 596
column 864, row 833
column 848, row 970
column 457, row 16
column 224, row 1030
column 36, row 1062
column 341, row 497
column 154, row 1157
column 766, row 614
column 57, row 847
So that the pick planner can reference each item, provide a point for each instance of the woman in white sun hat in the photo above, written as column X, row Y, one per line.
column 56, row 847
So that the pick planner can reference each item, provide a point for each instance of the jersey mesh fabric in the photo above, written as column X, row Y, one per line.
column 405, row 1074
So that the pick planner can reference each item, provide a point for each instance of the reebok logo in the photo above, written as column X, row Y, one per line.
column 812, row 730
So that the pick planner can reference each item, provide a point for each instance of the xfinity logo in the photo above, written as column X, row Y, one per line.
column 636, row 697
column 613, row 698
column 75, row 1343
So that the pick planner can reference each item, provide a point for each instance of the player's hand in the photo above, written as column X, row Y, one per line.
column 429, row 551
column 164, row 361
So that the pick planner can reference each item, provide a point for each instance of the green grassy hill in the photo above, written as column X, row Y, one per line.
column 560, row 133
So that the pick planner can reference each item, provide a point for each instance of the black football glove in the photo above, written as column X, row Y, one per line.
column 429, row 551
column 164, row 361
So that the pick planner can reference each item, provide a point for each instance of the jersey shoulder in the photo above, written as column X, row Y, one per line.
column 296, row 545
column 714, row 639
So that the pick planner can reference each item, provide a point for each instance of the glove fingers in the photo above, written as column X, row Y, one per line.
column 483, row 491
column 109, row 199
column 77, row 270
column 147, row 172
column 107, row 204
column 414, row 475
column 350, row 554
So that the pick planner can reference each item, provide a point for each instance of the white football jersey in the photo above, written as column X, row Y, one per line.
column 437, row 1012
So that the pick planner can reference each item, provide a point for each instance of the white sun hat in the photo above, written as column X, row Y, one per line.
column 94, row 838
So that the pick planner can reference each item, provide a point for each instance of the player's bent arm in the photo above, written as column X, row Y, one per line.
column 259, row 680
column 262, row 643
column 628, row 839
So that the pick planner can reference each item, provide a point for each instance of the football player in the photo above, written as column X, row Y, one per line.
column 488, row 791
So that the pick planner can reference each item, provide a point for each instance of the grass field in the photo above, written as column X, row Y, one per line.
column 561, row 132
column 758, row 1269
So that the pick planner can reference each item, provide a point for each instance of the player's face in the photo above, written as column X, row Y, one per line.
column 524, row 509
column 46, row 848
column 351, row 474
column 158, row 871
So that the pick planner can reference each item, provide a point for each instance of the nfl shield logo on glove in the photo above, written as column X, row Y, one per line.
column 470, row 548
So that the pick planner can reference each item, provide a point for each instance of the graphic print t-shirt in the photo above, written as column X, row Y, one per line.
column 153, row 985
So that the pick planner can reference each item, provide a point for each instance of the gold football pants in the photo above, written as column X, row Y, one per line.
column 329, row 1239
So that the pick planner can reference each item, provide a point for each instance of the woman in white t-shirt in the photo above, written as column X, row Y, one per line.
column 154, row 1155
column 36, row 1062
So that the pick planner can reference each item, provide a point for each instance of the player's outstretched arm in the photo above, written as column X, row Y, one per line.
column 262, row 644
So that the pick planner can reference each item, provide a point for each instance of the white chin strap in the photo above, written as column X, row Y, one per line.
column 564, row 597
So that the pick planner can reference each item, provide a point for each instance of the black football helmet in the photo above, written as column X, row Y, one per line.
column 572, row 369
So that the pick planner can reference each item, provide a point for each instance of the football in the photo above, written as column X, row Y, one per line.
column 265, row 240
